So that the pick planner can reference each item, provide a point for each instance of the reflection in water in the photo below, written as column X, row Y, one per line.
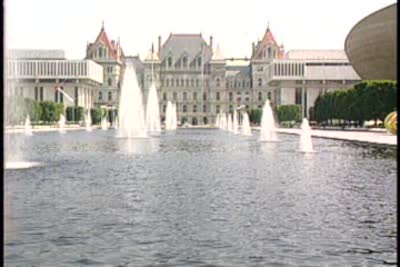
column 139, row 146
column 199, row 198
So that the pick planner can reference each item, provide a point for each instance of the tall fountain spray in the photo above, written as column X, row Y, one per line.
column 169, row 117
column 28, row 126
column 305, row 137
column 230, row 126
column 131, row 121
column 217, row 121
column 88, row 121
column 174, row 117
column 153, row 111
column 268, row 127
column 61, row 124
column 104, row 123
column 246, row 130
column 235, row 122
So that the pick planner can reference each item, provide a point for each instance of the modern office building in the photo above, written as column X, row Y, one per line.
column 371, row 45
column 38, row 73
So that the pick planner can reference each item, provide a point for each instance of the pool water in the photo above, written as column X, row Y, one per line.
column 199, row 197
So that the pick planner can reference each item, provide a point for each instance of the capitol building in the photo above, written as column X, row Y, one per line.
column 187, row 70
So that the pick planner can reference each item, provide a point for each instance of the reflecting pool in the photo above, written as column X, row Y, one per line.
column 199, row 197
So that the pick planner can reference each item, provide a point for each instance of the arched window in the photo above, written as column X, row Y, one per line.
column 230, row 108
column 204, row 96
column 174, row 95
column 164, row 108
column 218, row 82
column 194, row 95
column 165, row 96
column 184, row 108
column 170, row 62
column 184, row 96
column 259, row 96
column 109, row 96
column 269, row 95
column 217, row 96
column 184, row 62
column 259, row 82
column 205, row 120
column 109, row 82
column 194, row 108
column 217, row 109
column 100, row 52
column 230, row 96
column 100, row 95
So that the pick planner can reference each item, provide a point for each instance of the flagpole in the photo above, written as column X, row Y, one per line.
column 202, row 79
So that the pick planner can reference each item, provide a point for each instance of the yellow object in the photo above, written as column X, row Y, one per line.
column 391, row 122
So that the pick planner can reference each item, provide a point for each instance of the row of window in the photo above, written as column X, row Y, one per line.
column 49, row 68
column 217, row 96
column 109, row 94
column 191, row 83
column 185, row 108
column 288, row 69
column 183, row 62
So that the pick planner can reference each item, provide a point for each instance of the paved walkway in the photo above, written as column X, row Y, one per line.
column 376, row 137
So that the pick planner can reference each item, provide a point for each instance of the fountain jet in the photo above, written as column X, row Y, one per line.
column 153, row 111
column 268, row 127
column 305, row 137
column 131, row 120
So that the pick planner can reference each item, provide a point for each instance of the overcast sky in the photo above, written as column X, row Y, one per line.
column 70, row 24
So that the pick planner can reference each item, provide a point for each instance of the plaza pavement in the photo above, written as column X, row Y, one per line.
column 372, row 136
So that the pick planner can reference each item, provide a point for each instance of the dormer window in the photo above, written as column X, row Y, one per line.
column 170, row 62
column 184, row 62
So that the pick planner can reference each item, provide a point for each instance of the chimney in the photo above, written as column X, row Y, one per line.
column 211, row 42
column 159, row 44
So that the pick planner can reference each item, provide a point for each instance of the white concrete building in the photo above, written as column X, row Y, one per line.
column 302, row 75
column 37, row 73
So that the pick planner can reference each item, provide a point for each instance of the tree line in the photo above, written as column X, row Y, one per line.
column 48, row 112
column 366, row 101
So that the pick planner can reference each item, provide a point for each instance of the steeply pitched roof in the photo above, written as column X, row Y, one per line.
column 112, row 46
column 268, row 39
column 217, row 55
column 191, row 44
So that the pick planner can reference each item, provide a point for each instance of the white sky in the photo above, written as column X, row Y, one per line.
column 70, row 24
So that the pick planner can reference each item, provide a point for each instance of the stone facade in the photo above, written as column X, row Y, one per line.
column 110, row 56
column 188, row 71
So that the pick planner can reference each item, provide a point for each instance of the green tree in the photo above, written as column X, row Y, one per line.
column 289, row 113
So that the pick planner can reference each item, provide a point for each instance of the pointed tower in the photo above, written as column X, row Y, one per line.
column 109, row 54
column 267, row 48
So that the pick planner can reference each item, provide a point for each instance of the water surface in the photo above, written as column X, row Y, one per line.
column 199, row 197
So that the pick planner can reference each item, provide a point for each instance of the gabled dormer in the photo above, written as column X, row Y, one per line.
column 104, row 49
column 267, row 48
